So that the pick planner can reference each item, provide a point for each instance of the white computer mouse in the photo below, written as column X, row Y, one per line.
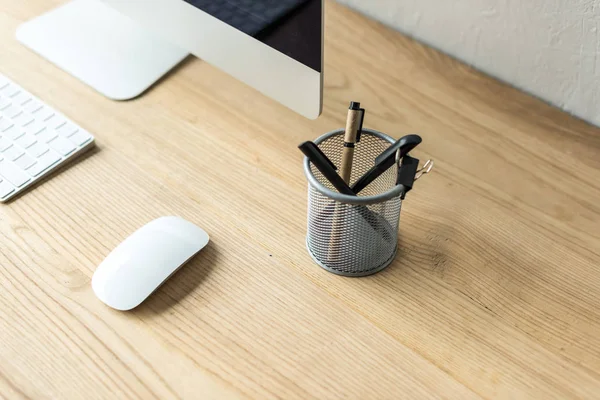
column 145, row 260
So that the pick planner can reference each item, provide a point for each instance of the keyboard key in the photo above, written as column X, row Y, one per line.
column 12, row 111
column 32, row 106
column 44, row 113
column 80, row 137
column 26, row 140
column 15, row 93
column 67, row 129
column 57, row 121
column 46, row 135
column 5, row 188
column 5, row 143
column 4, row 102
column 13, row 174
column 22, row 98
column 5, row 123
column 35, row 127
column 62, row 145
column 37, row 149
column 13, row 132
column 23, row 119
column 3, row 82
column 44, row 162
column 25, row 161
column 10, row 90
column 12, row 152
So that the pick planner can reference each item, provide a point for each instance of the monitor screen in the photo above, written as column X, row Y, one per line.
column 292, row 27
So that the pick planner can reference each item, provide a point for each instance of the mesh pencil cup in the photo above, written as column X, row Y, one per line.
column 353, row 235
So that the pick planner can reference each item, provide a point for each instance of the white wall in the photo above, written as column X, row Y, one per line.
column 546, row 47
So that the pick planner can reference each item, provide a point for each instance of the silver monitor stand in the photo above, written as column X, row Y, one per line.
column 103, row 48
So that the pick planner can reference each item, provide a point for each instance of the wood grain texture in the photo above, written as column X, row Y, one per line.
column 495, row 292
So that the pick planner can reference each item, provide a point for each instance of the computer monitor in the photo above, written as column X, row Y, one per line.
column 121, row 47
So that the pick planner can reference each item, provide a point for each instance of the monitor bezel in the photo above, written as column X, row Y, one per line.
column 269, row 71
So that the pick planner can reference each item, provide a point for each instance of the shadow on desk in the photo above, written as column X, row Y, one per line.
column 182, row 284
column 429, row 252
column 185, row 62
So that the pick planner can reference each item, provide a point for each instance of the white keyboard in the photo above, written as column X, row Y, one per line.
column 35, row 139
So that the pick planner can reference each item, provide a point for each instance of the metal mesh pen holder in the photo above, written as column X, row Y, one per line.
column 353, row 235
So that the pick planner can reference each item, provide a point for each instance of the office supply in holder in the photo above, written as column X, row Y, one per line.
column 409, row 172
column 425, row 169
column 145, row 260
column 324, row 164
column 354, row 125
column 35, row 139
column 386, row 159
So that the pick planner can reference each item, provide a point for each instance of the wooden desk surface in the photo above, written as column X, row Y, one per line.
column 495, row 292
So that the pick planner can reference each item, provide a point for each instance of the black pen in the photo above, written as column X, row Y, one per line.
column 327, row 168
column 386, row 159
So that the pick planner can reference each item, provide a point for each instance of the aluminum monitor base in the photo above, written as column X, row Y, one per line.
column 101, row 47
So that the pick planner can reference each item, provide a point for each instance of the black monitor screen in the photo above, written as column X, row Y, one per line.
column 292, row 27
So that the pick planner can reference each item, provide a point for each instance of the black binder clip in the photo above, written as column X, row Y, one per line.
column 409, row 172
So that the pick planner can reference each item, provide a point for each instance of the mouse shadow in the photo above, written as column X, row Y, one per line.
column 182, row 284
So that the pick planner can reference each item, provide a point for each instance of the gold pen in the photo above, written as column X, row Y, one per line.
column 354, row 122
